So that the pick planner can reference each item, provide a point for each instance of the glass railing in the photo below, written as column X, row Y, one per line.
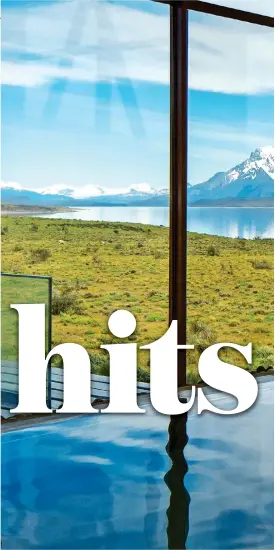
column 19, row 289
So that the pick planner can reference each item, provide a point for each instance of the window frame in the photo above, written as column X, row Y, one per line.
column 179, row 153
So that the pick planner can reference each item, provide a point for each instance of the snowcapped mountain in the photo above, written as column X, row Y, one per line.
column 260, row 160
column 90, row 191
column 141, row 189
column 253, row 179
column 88, row 195
column 74, row 192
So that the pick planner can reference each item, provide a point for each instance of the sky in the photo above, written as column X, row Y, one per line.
column 85, row 93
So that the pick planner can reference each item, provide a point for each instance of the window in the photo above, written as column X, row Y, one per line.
column 86, row 133
column 86, row 101
column 230, row 197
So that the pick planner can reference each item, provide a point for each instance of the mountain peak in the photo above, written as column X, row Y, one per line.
column 263, row 159
column 261, row 153
column 252, row 178
column 141, row 189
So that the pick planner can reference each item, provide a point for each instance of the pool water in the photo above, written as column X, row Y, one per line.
column 106, row 481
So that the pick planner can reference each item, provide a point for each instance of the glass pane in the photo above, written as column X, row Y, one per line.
column 265, row 7
column 17, row 290
column 230, row 197
column 86, row 151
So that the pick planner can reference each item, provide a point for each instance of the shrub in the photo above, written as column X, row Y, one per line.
column 143, row 375
column 199, row 327
column 34, row 227
column 151, row 293
column 212, row 251
column 99, row 364
column 4, row 230
column 158, row 254
column 201, row 336
column 263, row 357
column 65, row 302
column 192, row 376
column 91, row 295
column 261, row 264
column 242, row 244
column 40, row 254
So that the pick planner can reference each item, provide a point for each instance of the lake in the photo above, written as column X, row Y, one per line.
column 228, row 222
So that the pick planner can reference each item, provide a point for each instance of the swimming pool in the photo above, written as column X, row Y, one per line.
column 91, row 482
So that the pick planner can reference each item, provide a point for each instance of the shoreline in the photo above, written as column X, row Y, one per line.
column 105, row 224
column 21, row 210
column 30, row 213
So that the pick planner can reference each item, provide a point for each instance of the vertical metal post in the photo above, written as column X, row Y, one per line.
column 178, row 176
column 50, row 341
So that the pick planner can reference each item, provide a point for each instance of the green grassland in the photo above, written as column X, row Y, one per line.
column 99, row 267
column 19, row 290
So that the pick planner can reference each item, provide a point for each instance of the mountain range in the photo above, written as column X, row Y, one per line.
column 252, row 181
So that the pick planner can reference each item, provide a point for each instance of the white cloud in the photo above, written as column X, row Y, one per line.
column 250, row 134
column 11, row 184
column 229, row 56
column 81, row 191
column 89, row 459
column 88, row 190
column 97, row 41
column 265, row 7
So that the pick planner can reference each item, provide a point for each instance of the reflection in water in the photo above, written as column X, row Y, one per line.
column 233, row 230
column 152, row 498
column 228, row 222
column 86, row 482
column 65, row 507
column 178, row 511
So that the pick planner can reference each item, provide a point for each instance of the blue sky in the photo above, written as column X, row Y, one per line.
column 85, row 98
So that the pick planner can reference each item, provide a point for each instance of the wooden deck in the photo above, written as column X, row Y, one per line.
column 100, row 386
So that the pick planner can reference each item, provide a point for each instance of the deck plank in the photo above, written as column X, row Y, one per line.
column 100, row 387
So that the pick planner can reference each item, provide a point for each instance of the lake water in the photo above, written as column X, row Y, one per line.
column 229, row 222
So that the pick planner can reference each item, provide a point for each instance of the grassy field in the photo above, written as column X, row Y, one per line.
column 99, row 267
column 19, row 290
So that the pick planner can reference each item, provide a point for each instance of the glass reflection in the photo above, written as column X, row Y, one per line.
column 108, row 483
column 178, row 510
